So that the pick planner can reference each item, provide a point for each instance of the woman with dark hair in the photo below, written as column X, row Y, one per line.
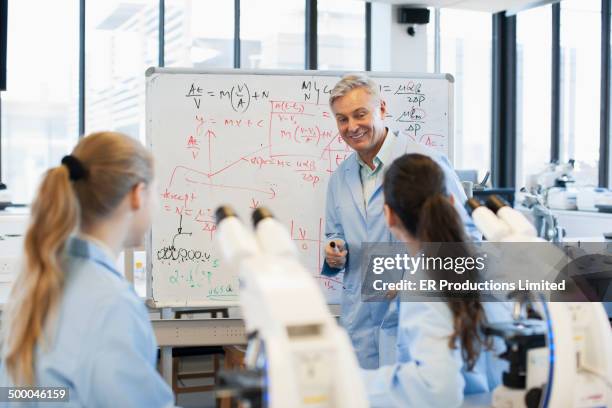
column 441, row 351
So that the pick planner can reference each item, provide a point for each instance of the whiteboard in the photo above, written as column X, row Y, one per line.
column 257, row 138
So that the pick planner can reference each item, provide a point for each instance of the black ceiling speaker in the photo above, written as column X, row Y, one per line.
column 409, row 15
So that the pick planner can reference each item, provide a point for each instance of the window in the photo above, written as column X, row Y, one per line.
column 341, row 35
column 121, row 43
column 272, row 34
column 534, row 59
column 466, row 54
column 39, row 108
column 199, row 33
column 431, row 41
column 580, row 86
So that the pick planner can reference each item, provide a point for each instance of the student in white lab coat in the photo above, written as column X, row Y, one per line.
column 441, row 351
column 72, row 320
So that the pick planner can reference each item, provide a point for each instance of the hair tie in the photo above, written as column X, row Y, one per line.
column 75, row 168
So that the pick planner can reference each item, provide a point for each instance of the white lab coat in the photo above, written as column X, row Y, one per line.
column 428, row 373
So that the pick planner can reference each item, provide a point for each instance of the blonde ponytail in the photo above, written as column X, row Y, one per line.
column 111, row 165
column 36, row 291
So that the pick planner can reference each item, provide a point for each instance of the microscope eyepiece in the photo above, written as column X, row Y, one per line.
column 471, row 204
column 260, row 214
column 495, row 203
column 223, row 212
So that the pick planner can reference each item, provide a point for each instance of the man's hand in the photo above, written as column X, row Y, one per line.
column 335, row 253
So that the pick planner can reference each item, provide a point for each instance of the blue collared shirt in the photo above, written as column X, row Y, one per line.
column 371, row 178
column 100, row 345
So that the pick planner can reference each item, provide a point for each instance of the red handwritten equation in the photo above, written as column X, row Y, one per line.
column 294, row 125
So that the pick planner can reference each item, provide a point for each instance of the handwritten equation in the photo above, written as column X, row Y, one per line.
column 239, row 96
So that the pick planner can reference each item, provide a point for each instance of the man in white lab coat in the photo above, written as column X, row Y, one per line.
column 354, row 210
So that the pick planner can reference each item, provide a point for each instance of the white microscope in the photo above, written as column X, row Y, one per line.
column 564, row 357
column 297, row 356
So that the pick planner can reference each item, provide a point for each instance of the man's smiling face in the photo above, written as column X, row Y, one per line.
column 360, row 120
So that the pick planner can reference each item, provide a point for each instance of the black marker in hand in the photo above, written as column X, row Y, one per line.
column 335, row 254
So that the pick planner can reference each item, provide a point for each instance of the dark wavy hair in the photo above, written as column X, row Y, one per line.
column 415, row 189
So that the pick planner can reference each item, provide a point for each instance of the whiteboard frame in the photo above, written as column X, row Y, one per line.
column 150, row 76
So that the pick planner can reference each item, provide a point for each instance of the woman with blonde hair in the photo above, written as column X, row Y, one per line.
column 72, row 320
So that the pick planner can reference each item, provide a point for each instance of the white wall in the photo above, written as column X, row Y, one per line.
column 392, row 48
